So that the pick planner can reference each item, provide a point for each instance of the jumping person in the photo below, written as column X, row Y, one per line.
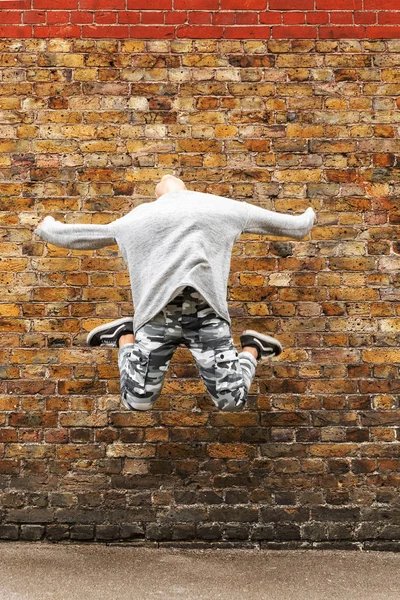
column 178, row 250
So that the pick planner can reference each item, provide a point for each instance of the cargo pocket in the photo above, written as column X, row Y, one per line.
column 137, row 367
column 227, row 373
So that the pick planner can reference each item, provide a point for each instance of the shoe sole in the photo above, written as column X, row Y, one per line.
column 269, row 340
column 94, row 339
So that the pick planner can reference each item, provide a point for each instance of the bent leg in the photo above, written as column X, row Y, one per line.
column 227, row 374
column 144, row 364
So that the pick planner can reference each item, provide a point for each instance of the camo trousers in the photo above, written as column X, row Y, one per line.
column 186, row 319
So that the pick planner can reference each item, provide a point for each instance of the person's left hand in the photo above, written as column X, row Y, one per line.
column 45, row 220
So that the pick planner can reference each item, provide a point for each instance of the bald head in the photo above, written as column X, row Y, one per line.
column 169, row 183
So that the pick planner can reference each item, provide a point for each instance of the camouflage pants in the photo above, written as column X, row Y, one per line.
column 187, row 319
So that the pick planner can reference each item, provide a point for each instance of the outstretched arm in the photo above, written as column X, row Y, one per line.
column 82, row 237
column 260, row 220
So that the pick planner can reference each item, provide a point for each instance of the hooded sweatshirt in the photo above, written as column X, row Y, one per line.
column 182, row 238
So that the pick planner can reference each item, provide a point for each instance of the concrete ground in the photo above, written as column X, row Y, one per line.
column 30, row 571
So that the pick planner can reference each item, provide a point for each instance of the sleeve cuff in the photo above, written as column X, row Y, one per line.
column 46, row 221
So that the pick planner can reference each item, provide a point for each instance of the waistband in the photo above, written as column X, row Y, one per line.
column 187, row 300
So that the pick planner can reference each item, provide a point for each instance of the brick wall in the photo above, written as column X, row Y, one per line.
column 86, row 129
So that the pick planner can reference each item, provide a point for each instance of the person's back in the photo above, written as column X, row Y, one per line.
column 183, row 238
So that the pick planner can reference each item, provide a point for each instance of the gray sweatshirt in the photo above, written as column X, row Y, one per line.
column 183, row 238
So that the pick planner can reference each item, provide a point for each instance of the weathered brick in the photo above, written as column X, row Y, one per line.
column 32, row 532
column 9, row 532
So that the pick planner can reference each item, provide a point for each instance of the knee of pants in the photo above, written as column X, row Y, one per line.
column 231, row 400
column 139, row 395
column 139, row 403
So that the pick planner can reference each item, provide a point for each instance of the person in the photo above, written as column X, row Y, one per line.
column 178, row 250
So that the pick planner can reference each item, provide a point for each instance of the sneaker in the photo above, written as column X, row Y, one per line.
column 109, row 333
column 266, row 345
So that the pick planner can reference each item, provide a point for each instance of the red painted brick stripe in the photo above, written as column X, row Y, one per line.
column 217, row 19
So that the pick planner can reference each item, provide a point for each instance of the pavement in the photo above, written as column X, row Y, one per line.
column 43, row 571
